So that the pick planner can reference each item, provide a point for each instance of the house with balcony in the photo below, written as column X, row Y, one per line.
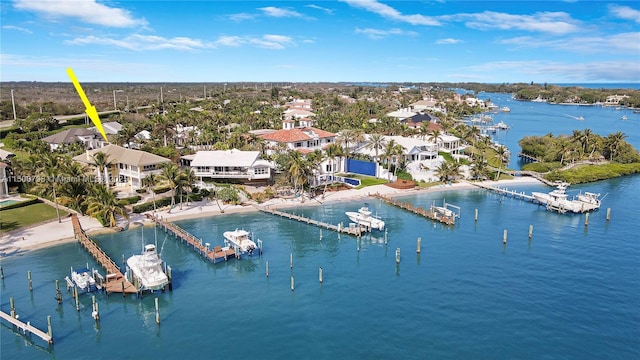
column 303, row 138
column 90, row 139
column 230, row 165
column 128, row 166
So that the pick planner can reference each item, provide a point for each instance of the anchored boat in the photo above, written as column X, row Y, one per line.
column 83, row 280
column 242, row 242
column 559, row 201
column 147, row 269
column 363, row 217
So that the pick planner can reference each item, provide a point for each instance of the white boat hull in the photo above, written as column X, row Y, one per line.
column 147, row 270
column 367, row 221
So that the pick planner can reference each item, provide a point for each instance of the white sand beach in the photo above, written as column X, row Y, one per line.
column 54, row 233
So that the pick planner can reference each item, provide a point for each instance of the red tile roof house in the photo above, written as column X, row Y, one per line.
column 304, row 138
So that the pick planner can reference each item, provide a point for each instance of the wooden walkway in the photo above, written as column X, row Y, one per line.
column 116, row 282
column 28, row 328
column 350, row 230
column 215, row 254
column 430, row 214
column 506, row 192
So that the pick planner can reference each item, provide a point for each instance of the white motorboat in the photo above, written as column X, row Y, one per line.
column 502, row 126
column 147, row 269
column 589, row 198
column 505, row 109
column 445, row 210
column 83, row 280
column 363, row 217
column 242, row 242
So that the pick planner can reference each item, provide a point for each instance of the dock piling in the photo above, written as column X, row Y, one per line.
column 504, row 237
column 418, row 245
column 586, row 219
column 267, row 268
column 608, row 218
column 157, row 312
column 1, row 273
column 530, row 231
column 49, row 329
column 397, row 255
column 320, row 274
column 30, row 282
column 291, row 260
column 94, row 306
column 58, row 293
column 12, row 306
column 476, row 215
column 292, row 283
column 385, row 236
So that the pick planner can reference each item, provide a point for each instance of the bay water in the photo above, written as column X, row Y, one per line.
column 571, row 291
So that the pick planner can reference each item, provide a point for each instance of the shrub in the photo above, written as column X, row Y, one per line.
column 129, row 200
column 21, row 204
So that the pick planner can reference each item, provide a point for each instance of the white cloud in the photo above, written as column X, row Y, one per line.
column 88, row 11
column 232, row 41
column 241, row 17
column 17, row 28
column 606, row 71
column 625, row 43
column 377, row 34
column 547, row 22
column 325, row 10
column 275, row 42
column 625, row 12
column 279, row 12
column 140, row 42
column 448, row 41
column 388, row 12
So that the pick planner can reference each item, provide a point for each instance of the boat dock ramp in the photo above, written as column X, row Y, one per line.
column 115, row 282
column 27, row 328
column 352, row 229
column 431, row 213
column 215, row 254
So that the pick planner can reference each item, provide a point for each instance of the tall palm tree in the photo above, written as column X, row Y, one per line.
column 390, row 150
column 173, row 175
column 102, row 203
column 501, row 154
column 434, row 135
column 563, row 148
column 613, row 142
column 49, row 169
column 163, row 126
column 188, row 181
column 74, row 191
column 149, row 182
column 376, row 142
column 349, row 137
column 102, row 163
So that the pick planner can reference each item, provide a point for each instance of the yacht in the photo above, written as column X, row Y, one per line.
column 241, row 241
column 502, row 126
column 505, row 109
column 363, row 217
column 147, row 270
column 589, row 198
column 557, row 199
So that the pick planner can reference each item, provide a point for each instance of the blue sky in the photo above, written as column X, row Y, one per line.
column 300, row 41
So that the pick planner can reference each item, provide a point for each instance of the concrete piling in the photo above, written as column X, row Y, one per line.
column 418, row 245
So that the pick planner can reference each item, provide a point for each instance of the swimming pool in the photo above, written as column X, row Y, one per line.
column 4, row 203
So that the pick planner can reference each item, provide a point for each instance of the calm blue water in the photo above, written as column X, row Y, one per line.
column 572, row 292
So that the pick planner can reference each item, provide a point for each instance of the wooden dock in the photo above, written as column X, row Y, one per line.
column 430, row 213
column 28, row 328
column 356, row 230
column 215, row 254
column 116, row 282
column 506, row 192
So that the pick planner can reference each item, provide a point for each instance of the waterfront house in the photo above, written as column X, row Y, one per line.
column 128, row 166
column 304, row 138
column 229, row 165
column 90, row 139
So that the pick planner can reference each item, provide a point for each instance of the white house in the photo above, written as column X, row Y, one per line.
column 230, row 165
column 128, row 167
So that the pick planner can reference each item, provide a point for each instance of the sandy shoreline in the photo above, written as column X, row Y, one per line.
column 53, row 233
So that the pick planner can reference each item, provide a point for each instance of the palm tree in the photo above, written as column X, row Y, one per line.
column 613, row 143
column 434, row 135
column 349, row 137
column 188, row 180
column 163, row 126
column 398, row 152
column 103, row 204
column 376, row 142
column 173, row 175
column 75, row 191
column 501, row 154
column 149, row 182
column 563, row 148
column 333, row 151
column 392, row 150
column 50, row 166
column 102, row 163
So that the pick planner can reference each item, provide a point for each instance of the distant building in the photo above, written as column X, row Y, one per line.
column 110, row 128
column 90, row 139
column 304, row 139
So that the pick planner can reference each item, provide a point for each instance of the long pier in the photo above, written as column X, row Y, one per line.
column 28, row 328
column 215, row 254
column 430, row 214
column 350, row 230
column 506, row 192
column 116, row 282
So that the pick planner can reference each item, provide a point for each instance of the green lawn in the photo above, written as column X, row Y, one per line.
column 27, row 215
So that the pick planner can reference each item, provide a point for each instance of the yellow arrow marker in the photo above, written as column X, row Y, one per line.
column 89, row 109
